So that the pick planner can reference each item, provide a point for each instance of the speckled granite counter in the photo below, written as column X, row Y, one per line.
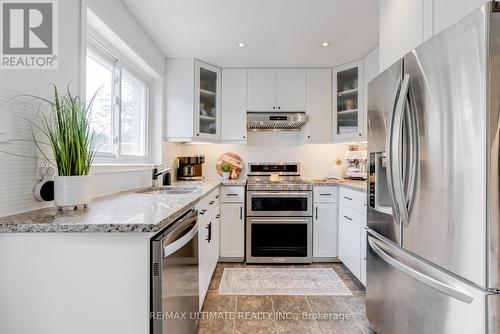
column 352, row 184
column 129, row 211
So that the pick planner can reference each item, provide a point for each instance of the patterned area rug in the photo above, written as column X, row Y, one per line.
column 282, row 281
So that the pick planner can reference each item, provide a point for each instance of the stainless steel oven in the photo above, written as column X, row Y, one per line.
column 279, row 203
column 279, row 214
column 279, row 239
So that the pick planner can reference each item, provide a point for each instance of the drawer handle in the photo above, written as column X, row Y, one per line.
column 232, row 195
column 348, row 198
column 211, row 202
column 209, row 232
column 325, row 194
column 241, row 213
column 348, row 218
column 202, row 212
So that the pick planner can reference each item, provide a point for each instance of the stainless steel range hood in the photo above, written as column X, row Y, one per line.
column 284, row 121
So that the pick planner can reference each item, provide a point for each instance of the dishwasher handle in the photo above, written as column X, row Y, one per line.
column 181, row 235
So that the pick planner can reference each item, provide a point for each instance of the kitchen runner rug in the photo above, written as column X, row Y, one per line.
column 282, row 281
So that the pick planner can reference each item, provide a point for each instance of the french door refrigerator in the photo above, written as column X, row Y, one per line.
column 433, row 215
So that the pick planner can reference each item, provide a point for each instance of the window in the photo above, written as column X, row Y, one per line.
column 120, row 111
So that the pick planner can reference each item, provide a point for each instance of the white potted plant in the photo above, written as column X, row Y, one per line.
column 226, row 171
column 73, row 144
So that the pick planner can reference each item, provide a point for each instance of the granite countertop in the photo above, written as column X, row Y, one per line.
column 130, row 211
column 352, row 184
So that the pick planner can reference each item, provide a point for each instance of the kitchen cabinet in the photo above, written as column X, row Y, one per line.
column 401, row 29
column 232, row 224
column 234, row 105
column 276, row 90
column 319, row 105
column 352, row 233
column 348, row 102
column 208, row 240
column 325, row 223
column 193, row 100
column 446, row 12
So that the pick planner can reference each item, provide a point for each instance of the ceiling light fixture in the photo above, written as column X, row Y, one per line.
column 325, row 44
column 241, row 45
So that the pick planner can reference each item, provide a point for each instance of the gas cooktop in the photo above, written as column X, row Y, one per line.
column 276, row 176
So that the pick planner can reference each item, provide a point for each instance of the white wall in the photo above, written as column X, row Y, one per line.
column 18, row 174
column 316, row 160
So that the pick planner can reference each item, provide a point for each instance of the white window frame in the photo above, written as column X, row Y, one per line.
column 102, row 48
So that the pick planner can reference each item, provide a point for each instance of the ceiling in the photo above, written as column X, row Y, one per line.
column 276, row 32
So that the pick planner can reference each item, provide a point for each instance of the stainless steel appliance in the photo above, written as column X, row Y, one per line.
column 279, row 121
column 433, row 215
column 174, row 277
column 356, row 164
column 279, row 214
column 190, row 168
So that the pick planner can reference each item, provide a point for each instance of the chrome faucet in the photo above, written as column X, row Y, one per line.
column 159, row 170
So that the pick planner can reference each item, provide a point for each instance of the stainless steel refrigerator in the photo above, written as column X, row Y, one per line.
column 433, row 263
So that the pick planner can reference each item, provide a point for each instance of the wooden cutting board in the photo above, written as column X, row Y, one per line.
column 231, row 159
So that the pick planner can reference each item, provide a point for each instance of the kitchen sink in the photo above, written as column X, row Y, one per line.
column 171, row 190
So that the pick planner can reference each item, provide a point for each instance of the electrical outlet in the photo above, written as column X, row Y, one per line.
column 42, row 163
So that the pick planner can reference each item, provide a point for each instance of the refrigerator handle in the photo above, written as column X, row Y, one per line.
column 413, row 154
column 417, row 275
column 395, row 150
column 389, row 157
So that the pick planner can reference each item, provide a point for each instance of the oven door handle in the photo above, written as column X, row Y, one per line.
column 280, row 194
column 279, row 221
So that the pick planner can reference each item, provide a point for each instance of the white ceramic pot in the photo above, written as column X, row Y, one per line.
column 226, row 175
column 71, row 191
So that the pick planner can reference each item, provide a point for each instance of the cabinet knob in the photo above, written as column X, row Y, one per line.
column 197, row 134
column 274, row 108
column 279, row 107
column 308, row 136
column 244, row 137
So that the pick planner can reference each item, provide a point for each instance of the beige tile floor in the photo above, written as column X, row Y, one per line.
column 259, row 314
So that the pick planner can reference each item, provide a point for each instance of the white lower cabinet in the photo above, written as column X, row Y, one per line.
column 208, row 240
column 232, row 244
column 325, row 223
column 232, row 224
column 350, row 239
column 352, row 233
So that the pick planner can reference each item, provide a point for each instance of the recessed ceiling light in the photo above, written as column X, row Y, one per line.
column 241, row 45
column 325, row 44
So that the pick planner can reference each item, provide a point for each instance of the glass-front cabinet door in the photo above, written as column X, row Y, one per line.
column 207, row 101
column 348, row 102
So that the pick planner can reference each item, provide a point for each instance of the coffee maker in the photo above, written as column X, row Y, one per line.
column 190, row 168
column 356, row 164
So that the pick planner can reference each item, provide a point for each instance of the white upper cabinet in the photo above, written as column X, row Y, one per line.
column 319, row 105
column 261, row 90
column 448, row 11
column 276, row 90
column 348, row 102
column 193, row 100
column 401, row 29
column 404, row 25
column 291, row 89
column 234, row 104
column 207, row 101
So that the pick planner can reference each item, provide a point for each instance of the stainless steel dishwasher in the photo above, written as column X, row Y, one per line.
column 174, row 277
